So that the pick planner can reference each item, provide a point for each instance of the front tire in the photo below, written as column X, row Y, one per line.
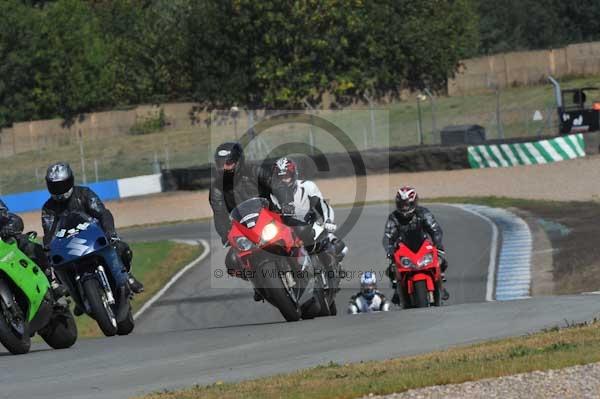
column 275, row 291
column 14, row 329
column 61, row 332
column 101, row 310
column 420, row 294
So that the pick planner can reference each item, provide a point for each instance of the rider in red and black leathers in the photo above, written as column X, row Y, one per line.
column 235, row 181
column 409, row 218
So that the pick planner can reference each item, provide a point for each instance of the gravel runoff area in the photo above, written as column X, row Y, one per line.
column 571, row 382
column 577, row 180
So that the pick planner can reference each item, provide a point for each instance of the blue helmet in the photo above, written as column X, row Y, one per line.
column 368, row 285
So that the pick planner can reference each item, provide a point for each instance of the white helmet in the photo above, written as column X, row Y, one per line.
column 368, row 285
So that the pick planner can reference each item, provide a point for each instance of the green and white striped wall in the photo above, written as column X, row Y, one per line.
column 537, row 152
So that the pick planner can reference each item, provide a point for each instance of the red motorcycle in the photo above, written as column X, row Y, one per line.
column 274, row 260
column 418, row 273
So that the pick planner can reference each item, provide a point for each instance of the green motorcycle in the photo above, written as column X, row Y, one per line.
column 28, row 306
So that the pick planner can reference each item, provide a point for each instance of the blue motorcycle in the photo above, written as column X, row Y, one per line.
column 89, row 266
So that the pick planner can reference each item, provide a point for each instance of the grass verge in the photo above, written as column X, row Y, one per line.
column 154, row 264
column 551, row 349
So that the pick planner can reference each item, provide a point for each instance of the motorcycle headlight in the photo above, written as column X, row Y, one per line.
column 426, row 260
column 405, row 262
column 269, row 232
column 243, row 243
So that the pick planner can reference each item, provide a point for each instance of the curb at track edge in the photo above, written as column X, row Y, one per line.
column 175, row 278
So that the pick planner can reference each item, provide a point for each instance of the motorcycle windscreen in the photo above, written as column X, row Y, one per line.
column 248, row 211
column 76, row 235
column 414, row 240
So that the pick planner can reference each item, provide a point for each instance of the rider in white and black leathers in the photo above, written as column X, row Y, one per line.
column 369, row 299
column 409, row 217
column 301, row 201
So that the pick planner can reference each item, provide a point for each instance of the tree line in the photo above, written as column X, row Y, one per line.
column 64, row 57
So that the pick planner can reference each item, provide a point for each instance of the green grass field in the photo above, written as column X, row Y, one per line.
column 121, row 156
column 552, row 349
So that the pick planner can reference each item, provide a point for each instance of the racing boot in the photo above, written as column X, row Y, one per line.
column 58, row 290
column 445, row 294
column 77, row 311
column 135, row 285
column 395, row 298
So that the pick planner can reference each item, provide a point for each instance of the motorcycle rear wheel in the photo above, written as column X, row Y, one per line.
column 421, row 295
column 101, row 310
column 61, row 332
column 17, row 342
column 126, row 326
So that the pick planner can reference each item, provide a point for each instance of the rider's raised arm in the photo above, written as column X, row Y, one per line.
column 433, row 228
column 221, row 215
column 95, row 208
column 317, row 202
column 12, row 226
column 48, row 221
column 390, row 234
column 262, row 176
column 3, row 211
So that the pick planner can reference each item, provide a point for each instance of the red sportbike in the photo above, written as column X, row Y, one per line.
column 418, row 273
column 274, row 260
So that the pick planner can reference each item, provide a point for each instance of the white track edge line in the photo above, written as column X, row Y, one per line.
column 175, row 278
column 491, row 275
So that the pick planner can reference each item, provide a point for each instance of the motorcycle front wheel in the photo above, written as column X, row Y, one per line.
column 421, row 295
column 14, row 329
column 101, row 309
column 276, row 292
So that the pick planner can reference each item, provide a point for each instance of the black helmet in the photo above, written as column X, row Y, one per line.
column 60, row 181
column 228, row 157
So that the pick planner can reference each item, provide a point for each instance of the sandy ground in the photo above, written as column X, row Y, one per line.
column 577, row 180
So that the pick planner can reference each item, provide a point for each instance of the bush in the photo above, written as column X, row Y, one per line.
column 149, row 124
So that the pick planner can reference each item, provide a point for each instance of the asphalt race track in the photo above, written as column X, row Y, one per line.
column 198, row 334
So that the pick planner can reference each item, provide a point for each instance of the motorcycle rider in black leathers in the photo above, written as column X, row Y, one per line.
column 66, row 198
column 235, row 181
column 11, row 228
column 409, row 218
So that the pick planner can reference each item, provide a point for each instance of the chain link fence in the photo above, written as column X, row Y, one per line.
column 126, row 153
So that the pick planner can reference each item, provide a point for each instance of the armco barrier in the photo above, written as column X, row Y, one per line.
column 106, row 190
column 328, row 166
column 530, row 153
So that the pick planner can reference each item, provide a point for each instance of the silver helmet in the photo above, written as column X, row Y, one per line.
column 60, row 181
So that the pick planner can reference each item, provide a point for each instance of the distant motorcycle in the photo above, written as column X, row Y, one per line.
column 89, row 266
column 276, row 262
column 418, row 272
column 28, row 306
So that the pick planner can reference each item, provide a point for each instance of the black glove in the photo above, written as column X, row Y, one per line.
column 311, row 217
column 390, row 254
column 114, row 238
column 441, row 255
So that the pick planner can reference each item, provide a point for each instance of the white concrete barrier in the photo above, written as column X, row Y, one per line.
column 139, row 185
